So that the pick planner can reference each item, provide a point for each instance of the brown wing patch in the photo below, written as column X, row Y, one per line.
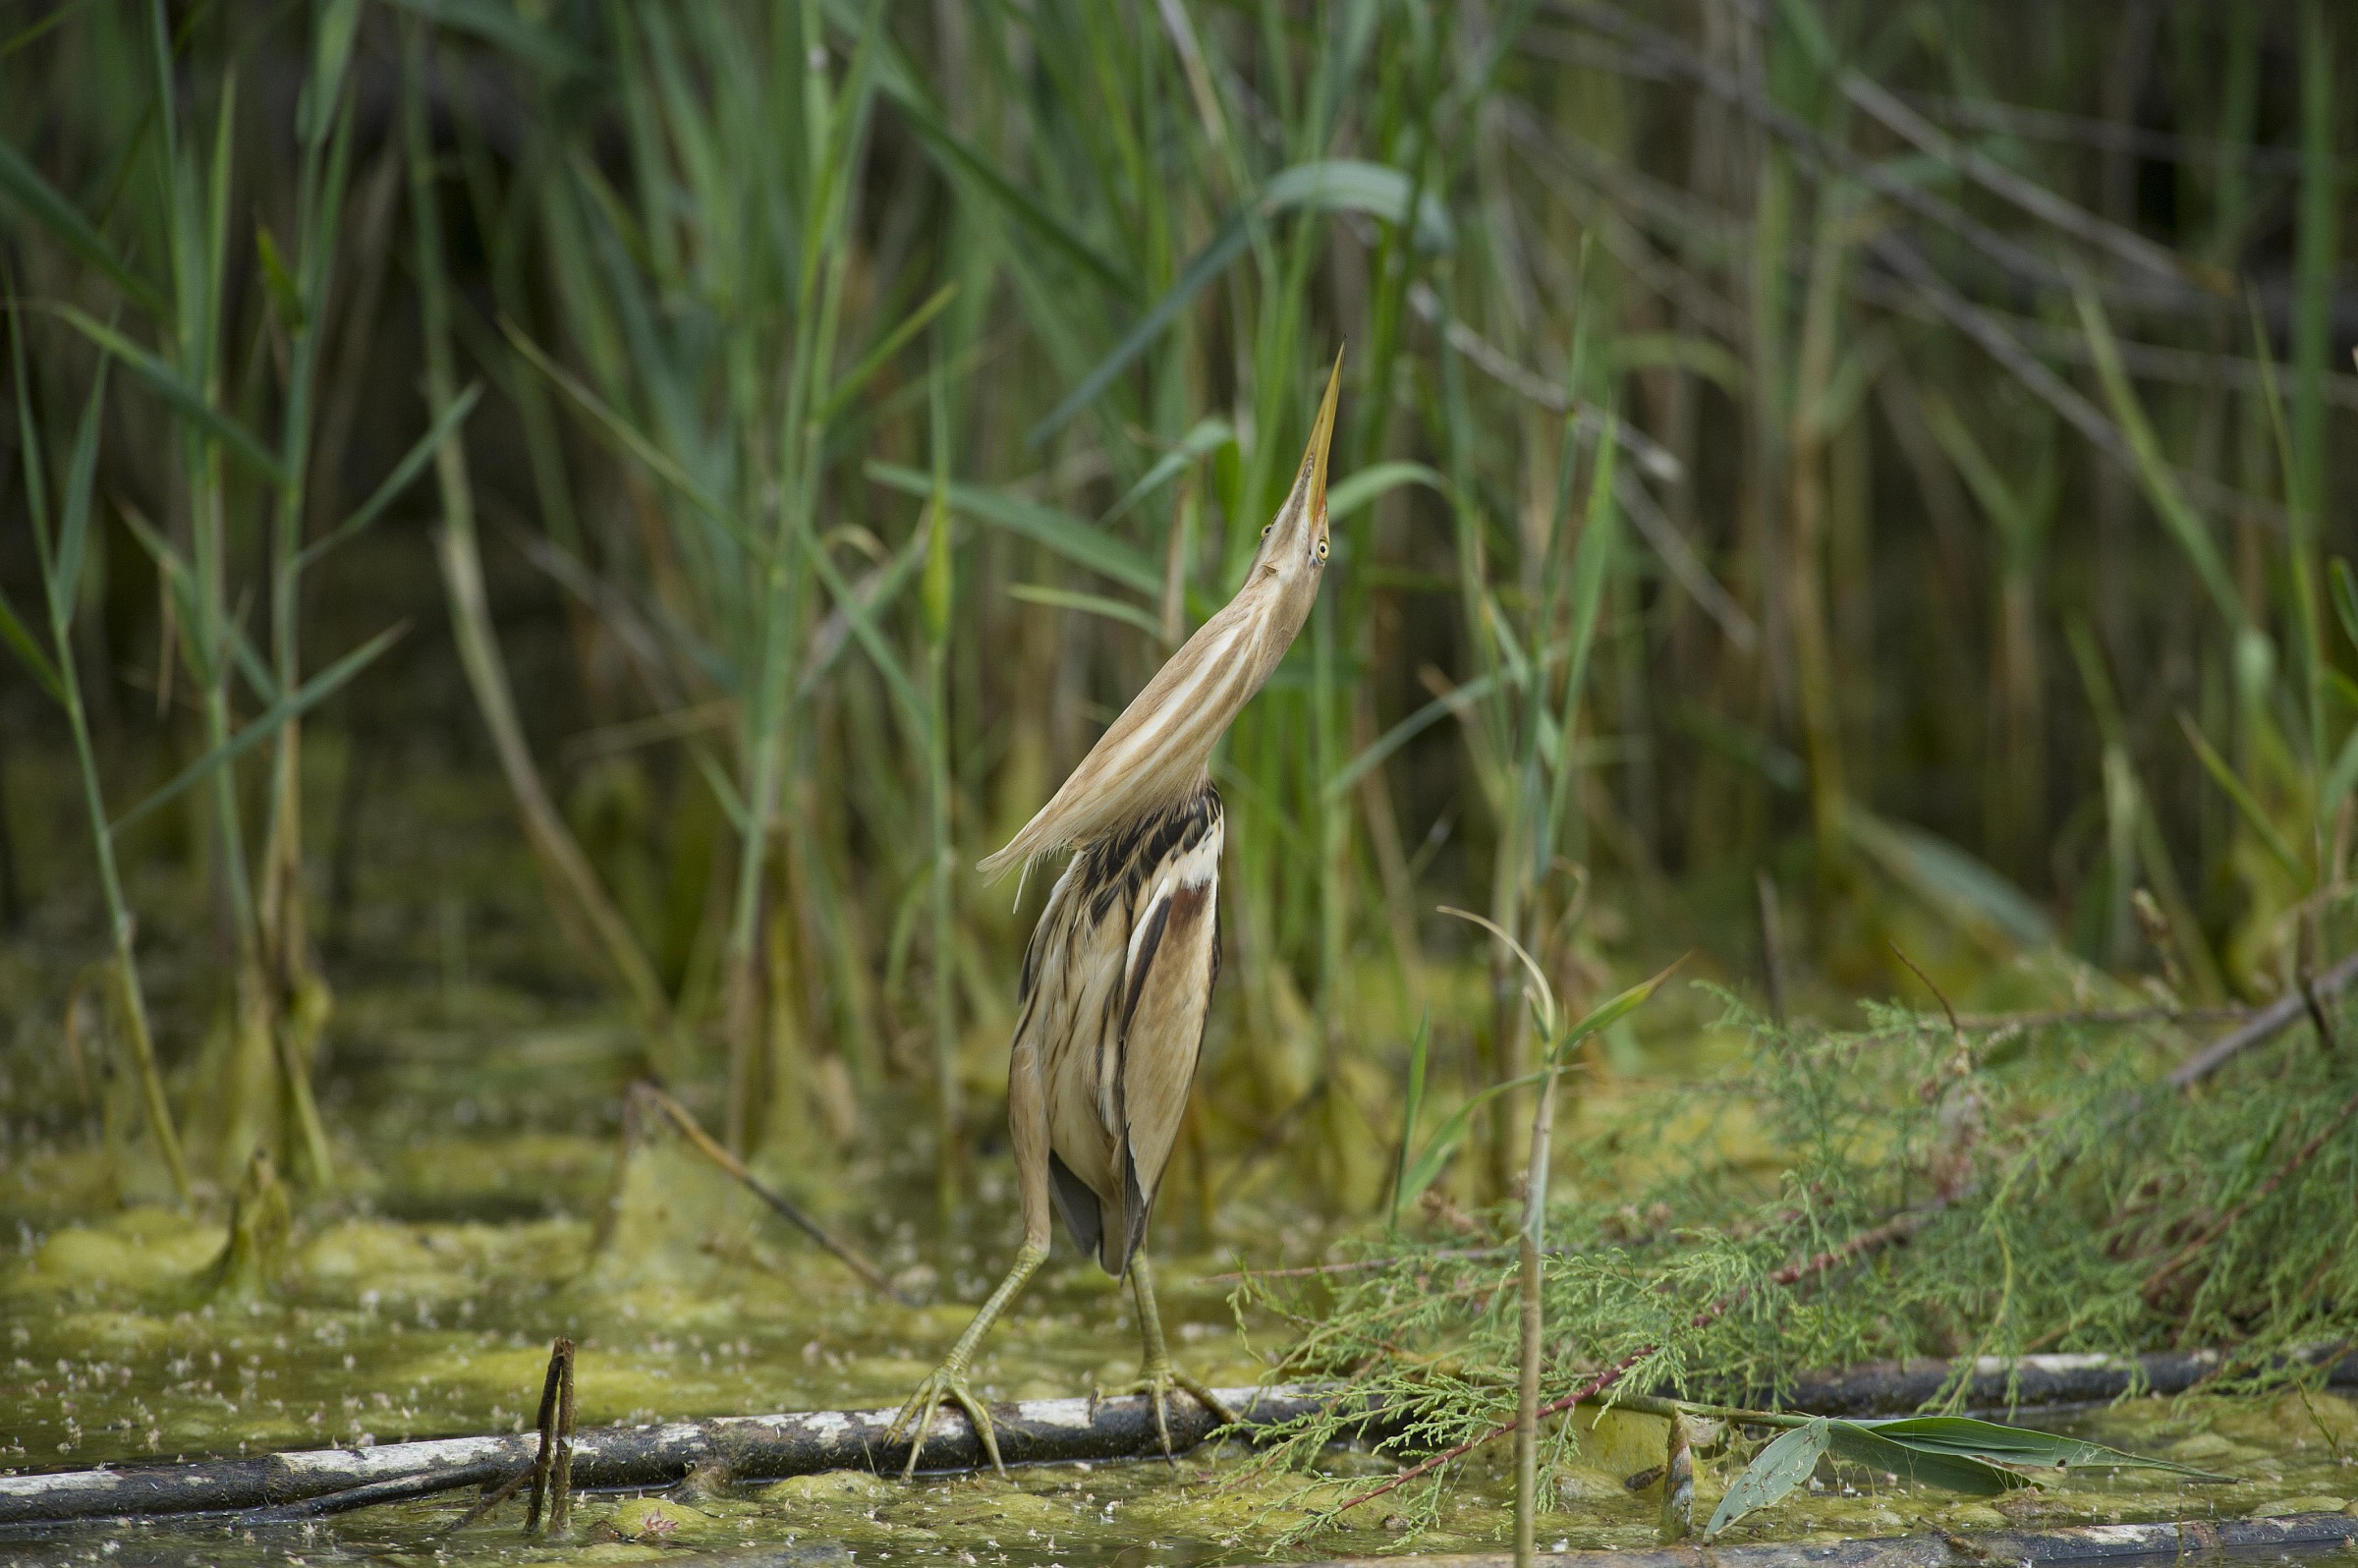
column 1162, row 1036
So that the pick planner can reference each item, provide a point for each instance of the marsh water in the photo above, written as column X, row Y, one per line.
column 423, row 1305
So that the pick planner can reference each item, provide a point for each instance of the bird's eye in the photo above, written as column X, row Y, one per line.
column 1322, row 549
column 1265, row 532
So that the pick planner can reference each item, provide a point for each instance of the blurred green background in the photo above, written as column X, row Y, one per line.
column 536, row 513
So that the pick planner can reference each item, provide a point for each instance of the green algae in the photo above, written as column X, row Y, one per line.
column 421, row 1302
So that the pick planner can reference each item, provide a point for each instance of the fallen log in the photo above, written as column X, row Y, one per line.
column 1034, row 1431
column 2174, row 1541
column 748, row 1447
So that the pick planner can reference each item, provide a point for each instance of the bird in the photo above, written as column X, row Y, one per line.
column 1117, row 980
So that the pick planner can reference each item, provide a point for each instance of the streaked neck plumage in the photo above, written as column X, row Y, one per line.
column 1156, row 753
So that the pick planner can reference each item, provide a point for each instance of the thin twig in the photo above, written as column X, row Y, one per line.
column 1356, row 1265
column 1986, row 1023
column 2264, row 1025
column 792, row 1212
column 1954, row 1028
column 491, row 1500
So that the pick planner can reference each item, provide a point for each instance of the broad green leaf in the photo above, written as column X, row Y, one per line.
column 1087, row 604
column 1680, row 351
column 636, row 442
column 1540, row 993
column 1061, row 532
column 2247, row 804
column 1451, row 1131
column 2154, row 472
column 1409, row 728
column 2005, row 505
column 881, row 355
column 957, row 155
column 332, row 38
column 883, row 587
column 1208, row 435
column 12, row 627
column 412, row 463
column 169, row 562
column 2341, row 779
column 23, row 183
column 1353, row 184
column 1333, row 184
column 1592, row 567
column 27, row 35
column 319, row 688
column 74, row 516
column 864, row 626
column 17, row 636
column 716, row 779
column 1949, row 879
column 1613, row 1009
column 2346, row 597
column 1773, row 1473
column 2018, row 1445
column 1926, row 1464
column 286, row 297
column 938, row 590
column 181, row 583
column 1362, row 488
column 1855, row 374
column 504, row 26
column 169, row 384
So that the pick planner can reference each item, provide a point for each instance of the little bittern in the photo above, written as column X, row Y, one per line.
column 1117, row 981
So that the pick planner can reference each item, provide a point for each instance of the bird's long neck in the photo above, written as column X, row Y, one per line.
column 1157, row 752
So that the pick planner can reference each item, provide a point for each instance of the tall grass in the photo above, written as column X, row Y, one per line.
column 1800, row 440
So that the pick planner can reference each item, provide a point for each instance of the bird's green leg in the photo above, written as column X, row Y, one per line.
column 948, row 1382
column 1156, row 1376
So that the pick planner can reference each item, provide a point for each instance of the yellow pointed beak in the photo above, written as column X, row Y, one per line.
column 1322, row 438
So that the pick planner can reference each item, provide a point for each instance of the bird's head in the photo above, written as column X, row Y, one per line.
column 1155, row 752
column 1294, row 546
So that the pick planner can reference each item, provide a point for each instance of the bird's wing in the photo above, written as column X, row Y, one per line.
column 1072, row 979
column 1166, row 994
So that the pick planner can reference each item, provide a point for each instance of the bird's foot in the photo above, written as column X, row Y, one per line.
column 1157, row 1382
column 948, row 1385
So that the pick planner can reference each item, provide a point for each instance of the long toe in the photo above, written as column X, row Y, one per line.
column 984, row 1433
column 1203, row 1396
column 1159, row 1392
column 925, row 1429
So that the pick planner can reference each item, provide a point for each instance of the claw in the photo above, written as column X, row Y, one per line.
column 1156, row 1383
column 947, row 1384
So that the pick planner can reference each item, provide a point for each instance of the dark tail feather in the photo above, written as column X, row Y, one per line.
column 1084, row 1217
column 1136, row 1203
